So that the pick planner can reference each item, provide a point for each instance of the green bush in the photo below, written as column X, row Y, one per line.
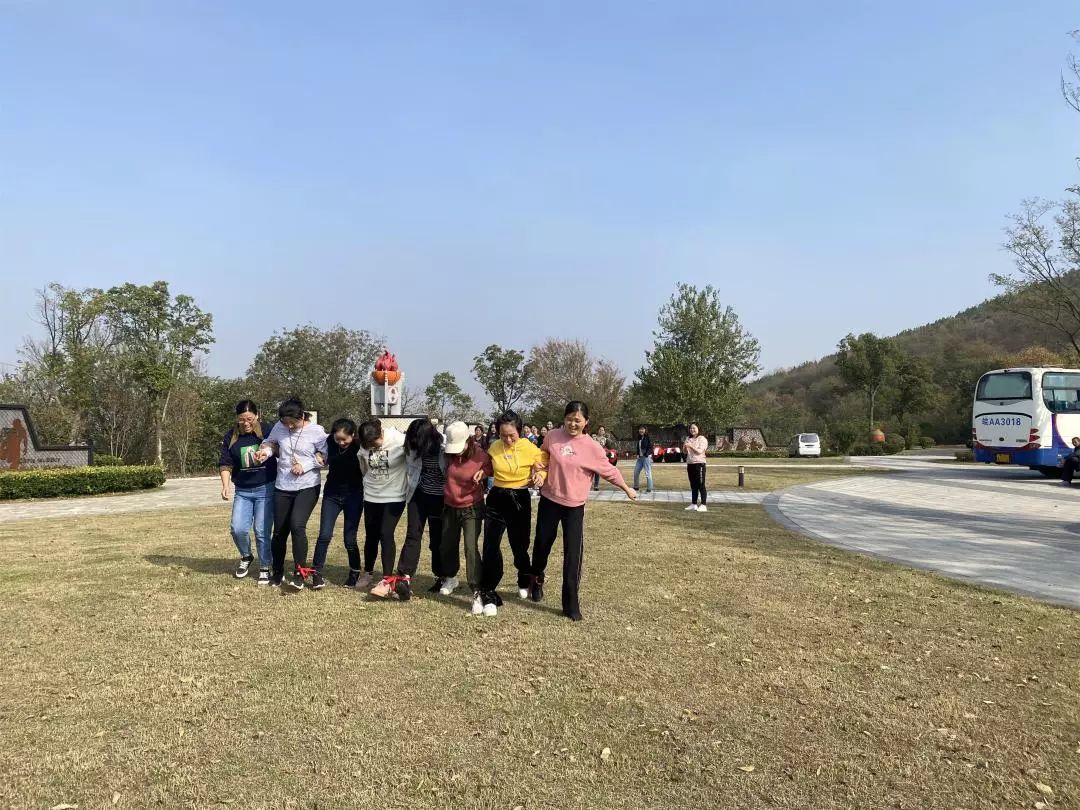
column 965, row 455
column 105, row 460
column 70, row 481
column 927, row 442
column 874, row 449
column 747, row 454
column 894, row 444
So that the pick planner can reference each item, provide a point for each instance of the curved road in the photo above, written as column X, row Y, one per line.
column 1001, row 526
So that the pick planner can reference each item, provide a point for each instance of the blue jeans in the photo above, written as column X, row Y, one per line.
column 643, row 463
column 253, row 508
column 333, row 504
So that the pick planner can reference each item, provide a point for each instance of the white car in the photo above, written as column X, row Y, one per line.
column 805, row 445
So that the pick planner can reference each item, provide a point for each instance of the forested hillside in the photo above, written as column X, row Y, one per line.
column 929, row 393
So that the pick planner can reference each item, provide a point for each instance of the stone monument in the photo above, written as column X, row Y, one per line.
column 387, row 393
column 20, row 448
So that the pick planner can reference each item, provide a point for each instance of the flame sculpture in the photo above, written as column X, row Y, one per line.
column 386, row 369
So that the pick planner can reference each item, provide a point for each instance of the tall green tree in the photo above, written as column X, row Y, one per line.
column 504, row 375
column 329, row 369
column 914, row 389
column 445, row 399
column 158, row 335
column 699, row 362
column 865, row 363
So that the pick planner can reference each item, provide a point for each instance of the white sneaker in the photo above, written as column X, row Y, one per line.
column 490, row 609
column 477, row 604
column 448, row 586
column 523, row 593
column 691, row 508
column 703, row 508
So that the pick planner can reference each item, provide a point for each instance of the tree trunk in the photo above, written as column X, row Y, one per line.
column 873, row 396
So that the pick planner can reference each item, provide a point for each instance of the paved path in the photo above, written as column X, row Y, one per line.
column 1001, row 526
column 193, row 493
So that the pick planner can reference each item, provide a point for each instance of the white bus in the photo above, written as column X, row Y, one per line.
column 1026, row 416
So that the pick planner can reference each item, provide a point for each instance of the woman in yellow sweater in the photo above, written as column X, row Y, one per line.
column 516, row 463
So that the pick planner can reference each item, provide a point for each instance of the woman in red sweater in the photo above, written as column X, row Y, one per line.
column 573, row 459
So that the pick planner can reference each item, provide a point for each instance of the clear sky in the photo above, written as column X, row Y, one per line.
column 453, row 174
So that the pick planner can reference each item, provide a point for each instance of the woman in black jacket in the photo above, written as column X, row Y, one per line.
column 1072, row 461
column 644, row 458
column 344, row 492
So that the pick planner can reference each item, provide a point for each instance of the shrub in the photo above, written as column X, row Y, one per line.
column 965, row 455
column 894, row 444
column 874, row 449
column 778, row 453
column 70, row 481
column 927, row 442
column 105, row 460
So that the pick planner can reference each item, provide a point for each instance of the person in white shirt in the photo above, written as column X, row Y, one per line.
column 295, row 441
column 386, row 484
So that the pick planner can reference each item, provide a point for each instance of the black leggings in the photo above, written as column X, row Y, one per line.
column 380, row 521
column 291, row 513
column 696, row 474
column 1068, row 469
column 423, row 508
column 548, row 517
column 510, row 511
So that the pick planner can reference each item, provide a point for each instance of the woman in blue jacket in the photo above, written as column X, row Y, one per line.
column 253, row 488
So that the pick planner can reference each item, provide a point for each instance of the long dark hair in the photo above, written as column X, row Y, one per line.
column 247, row 406
column 346, row 426
column 422, row 438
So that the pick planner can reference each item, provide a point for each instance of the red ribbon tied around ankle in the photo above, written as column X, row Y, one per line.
column 305, row 572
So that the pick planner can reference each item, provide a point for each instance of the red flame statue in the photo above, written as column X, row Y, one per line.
column 386, row 369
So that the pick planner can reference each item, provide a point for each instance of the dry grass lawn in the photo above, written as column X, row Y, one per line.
column 723, row 663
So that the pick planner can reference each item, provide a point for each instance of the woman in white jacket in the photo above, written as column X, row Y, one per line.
column 386, row 491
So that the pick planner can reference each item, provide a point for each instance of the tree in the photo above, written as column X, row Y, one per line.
column 700, row 359
column 1032, row 356
column 445, row 399
column 1070, row 87
column 158, row 337
column 329, row 370
column 504, row 375
column 865, row 364
column 564, row 370
column 1045, row 286
column 914, row 388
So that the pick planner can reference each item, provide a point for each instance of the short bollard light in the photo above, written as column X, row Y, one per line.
column 742, row 476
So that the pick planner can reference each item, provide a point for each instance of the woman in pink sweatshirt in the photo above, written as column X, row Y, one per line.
column 573, row 459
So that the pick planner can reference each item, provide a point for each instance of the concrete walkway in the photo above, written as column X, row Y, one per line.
column 1000, row 526
column 194, row 493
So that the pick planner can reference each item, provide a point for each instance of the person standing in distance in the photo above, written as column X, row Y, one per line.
column 694, row 446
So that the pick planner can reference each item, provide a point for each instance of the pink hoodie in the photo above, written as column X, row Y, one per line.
column 571, row 464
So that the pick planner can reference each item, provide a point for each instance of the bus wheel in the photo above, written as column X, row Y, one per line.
column 1050, row 472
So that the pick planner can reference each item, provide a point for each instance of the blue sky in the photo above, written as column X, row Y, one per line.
column 453, row 174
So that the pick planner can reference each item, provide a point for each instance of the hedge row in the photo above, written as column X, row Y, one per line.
column 68, row 481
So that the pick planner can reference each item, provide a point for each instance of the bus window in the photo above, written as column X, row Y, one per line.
column 1006, row 385
column 1061, row 392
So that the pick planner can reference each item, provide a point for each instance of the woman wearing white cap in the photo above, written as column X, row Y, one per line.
column 467, row 465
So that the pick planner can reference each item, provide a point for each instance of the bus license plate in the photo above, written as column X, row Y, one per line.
column 1002, row 458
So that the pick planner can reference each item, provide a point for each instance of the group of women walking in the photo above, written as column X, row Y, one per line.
column 437, row 481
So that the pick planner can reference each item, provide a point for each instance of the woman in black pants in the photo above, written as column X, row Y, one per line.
column 514, row 461
column 344, row 492
column 426, row 471
column 695, row 446
column 296, row 442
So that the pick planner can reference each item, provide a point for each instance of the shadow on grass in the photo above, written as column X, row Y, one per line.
column 222, row 566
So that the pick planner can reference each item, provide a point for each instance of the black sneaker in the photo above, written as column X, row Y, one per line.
column 403, row 589
column 350, row 581
column 435, row 588
column 573, row 615
column 536, row 590
column 297, row 582
column 242, row 567
column 275, row 580
column 317, row 581
column 264, row 576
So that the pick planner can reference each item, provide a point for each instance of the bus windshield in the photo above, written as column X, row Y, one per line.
column 1006, row 385
column 1061, row 392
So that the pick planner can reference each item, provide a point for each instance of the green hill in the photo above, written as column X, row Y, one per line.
column 955, row 351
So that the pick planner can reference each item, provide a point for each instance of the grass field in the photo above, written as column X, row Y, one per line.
column 723, row 663
column 760, row 479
